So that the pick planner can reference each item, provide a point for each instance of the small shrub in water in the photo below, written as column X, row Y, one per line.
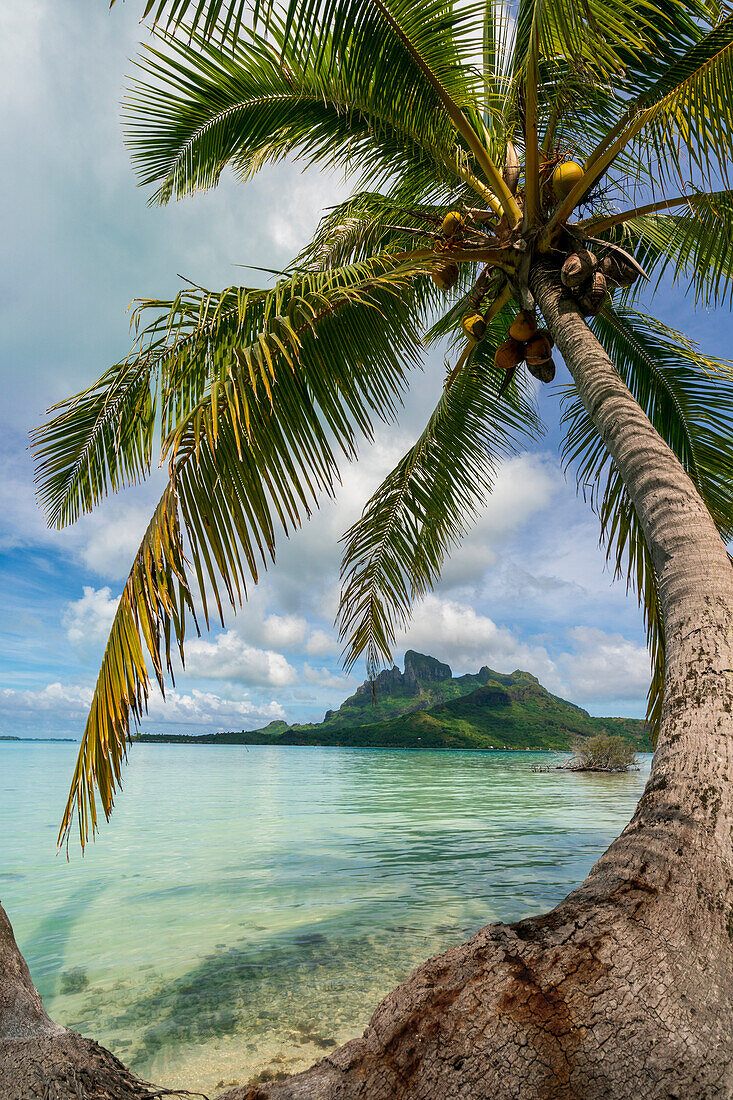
column 603, row 753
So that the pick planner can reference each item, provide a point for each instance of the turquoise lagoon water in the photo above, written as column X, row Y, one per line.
column 244, row 911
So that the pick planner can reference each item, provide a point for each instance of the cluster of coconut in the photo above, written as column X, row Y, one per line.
column 527, row 344
column 587, row 278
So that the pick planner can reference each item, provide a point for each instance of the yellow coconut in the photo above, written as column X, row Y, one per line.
column 523, row 327
column 452, row 222
column 565, row 177
column 474, row 326
column 509, row 355
column 446, row 276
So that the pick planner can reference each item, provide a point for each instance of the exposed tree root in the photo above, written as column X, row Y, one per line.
column 67, row 1067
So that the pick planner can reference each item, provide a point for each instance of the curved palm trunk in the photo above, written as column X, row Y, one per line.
column 625, row 990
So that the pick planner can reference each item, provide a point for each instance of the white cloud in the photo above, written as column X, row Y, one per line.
column 290, row 220
column 204, row 708
column 323, row 677
column 605, row 666
column 282, row 631
column 465, row 639
column 112, row 538
column 321, row 644
column 228, row 657
column 88, row 620
column 60, row 707
column 62, row 700
column 524, row 486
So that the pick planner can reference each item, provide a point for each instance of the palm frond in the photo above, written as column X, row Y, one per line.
column 394, row 553
column 210, row 18
column 695, row 247
column 196, row 109
column 683, row 123
column 192, row 352
column 156, row 597
column 260, row 390
column 96, row 443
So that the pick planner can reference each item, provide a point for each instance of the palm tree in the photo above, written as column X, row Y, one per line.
column 551, row 158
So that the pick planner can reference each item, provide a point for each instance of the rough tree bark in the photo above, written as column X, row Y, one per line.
column 625, row 990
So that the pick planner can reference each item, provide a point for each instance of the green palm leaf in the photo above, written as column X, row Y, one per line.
column 394, row 553
column 97, row 443
column 259, row 391
column 197, row 109
column 695, row 246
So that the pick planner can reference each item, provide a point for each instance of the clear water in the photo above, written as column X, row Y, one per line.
column 245, row 910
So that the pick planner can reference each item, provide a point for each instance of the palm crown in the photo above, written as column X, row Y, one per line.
column 598, row 131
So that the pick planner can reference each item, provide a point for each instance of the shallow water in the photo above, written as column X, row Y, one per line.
column 246, row 909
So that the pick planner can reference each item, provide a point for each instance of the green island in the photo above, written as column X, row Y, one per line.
column 427, row 707
column 44, row 740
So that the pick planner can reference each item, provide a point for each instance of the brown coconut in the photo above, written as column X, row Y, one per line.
column 446, row 276
column 538, row 349
column 577, row 268
column 618, row 271
column 509, row 355
column 593, row 295
column 543, row 370
column 523, row 327
column 474, row 326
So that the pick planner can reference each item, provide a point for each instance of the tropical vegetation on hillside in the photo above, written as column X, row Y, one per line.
column 428, row 707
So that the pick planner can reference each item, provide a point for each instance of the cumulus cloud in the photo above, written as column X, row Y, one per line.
column 229, row 657
column 112, row 539
column 62, row 700
column 59, row 708
column 321, row 644
column 283, row 631
column 204, row 708
column 88, row 620
column 524, row 486
column 605, row 666
column 325, row 678
column 458, row 634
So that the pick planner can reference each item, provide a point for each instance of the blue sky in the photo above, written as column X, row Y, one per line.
column 528, row 589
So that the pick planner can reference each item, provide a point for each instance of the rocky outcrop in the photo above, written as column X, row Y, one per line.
column 420, row 669
column 384, row 684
